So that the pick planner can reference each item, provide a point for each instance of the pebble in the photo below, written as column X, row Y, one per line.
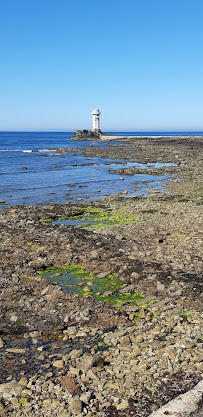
column 124, row 341
column 124, row 404
column 17, row 350
column 58, row 364
column 69, row 383
column 14, row 318
column 76, row 353
column 23, row 381
column 75, row 406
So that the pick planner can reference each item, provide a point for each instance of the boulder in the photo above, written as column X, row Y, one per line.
column 10, row 389
column 184, row 405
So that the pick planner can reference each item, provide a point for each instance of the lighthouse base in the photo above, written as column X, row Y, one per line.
column 86, row 134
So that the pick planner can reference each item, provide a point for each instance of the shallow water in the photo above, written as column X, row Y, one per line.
column 13, row 364
column 76, row 222
column 96, row 218
column 32, row 174
column 77, row 280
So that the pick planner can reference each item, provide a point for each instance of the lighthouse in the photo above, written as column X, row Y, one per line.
column 95, row 114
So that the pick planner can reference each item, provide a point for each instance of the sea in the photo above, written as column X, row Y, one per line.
column 32, row 174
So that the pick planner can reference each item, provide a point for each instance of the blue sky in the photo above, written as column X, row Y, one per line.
column 139, row 61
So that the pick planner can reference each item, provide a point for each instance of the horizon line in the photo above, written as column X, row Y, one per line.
column 106, row 131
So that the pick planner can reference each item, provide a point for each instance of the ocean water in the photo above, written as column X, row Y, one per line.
column 60, row 178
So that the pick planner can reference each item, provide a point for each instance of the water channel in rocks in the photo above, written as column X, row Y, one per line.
column 27, row 355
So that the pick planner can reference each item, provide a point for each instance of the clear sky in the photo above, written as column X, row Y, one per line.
column 139, row 61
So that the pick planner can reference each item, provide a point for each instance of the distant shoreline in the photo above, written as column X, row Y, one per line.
column 109, row 137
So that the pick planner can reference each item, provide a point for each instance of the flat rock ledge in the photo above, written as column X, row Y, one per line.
column 185, row 405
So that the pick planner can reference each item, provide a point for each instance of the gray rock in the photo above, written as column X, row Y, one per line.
column 10, row 389
column 184, row 405
column 88, row 361
column 85, row 134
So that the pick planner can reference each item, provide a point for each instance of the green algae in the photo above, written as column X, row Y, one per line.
column 138, row 317
column 77, row 280
column 46, row 221
column 23, row 400
column 120, row 300
column 98, row 218
column 24, row 277
column 35, row 247
column 185, row 313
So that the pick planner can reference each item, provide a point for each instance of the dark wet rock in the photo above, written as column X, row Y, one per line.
column 85, row 135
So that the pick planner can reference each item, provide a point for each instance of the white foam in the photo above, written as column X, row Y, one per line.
column 48, row 150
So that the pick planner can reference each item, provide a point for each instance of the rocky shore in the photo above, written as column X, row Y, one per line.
column 66, row 354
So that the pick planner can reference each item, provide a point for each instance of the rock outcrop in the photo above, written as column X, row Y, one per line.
column 86, row 134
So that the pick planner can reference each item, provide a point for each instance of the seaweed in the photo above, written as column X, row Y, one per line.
column 98, row 218
column 76, row 279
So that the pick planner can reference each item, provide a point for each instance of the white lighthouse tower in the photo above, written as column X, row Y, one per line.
column 95, row 114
